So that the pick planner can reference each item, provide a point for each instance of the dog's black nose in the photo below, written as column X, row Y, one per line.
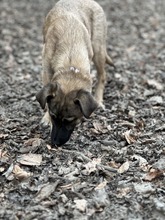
column 59, row 136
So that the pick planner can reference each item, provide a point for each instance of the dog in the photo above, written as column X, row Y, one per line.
column 74, row 35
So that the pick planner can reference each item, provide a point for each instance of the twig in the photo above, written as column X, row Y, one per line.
column 89, row 160
column 77, row 153
column 101, row 166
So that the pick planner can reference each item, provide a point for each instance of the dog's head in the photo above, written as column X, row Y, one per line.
column 65, row 110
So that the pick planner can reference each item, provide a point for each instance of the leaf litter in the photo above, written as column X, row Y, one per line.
column 113, row 161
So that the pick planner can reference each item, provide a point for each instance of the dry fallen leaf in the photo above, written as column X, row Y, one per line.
column 154, row 83
column 143, row 164
column 99, row 128
column 152, row 174
column 113, row 164
column 139, row 125
column 35, row 142
column 46, row 190
column 30, row 159
column 156, row 100
column 3, row 155
column 130, row 49
column 31, row 145
column 9, row 171
column 140, row 159
column 132, row 113
column 101, row 185
column 49, row 147
column 3, row 136
column 2, row 169
column 123, row 191
column 124, row 167
column 15, row 172
column 129, row 137
column 92, row 166
column 19, row 173
column 144, row 188
column 81, row 204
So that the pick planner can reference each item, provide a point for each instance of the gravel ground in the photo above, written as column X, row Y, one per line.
column 113, row 167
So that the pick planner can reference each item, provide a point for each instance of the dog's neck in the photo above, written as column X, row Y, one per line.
column 72, row 78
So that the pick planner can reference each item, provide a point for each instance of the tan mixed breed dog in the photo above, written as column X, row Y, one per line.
column 74, row 35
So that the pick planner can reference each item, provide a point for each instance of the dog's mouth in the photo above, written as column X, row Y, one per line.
column 60, row 134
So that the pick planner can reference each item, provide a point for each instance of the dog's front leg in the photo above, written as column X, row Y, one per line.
column 46, row 120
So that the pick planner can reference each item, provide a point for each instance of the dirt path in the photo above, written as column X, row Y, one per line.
column 77, row 181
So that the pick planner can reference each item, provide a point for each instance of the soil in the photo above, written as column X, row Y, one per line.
column 114, row 164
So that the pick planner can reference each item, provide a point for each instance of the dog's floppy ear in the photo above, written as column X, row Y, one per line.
column 86, row 102
column 46, row 92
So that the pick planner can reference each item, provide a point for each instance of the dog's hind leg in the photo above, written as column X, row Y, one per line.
column 100, row 58
column 99, row 31
column 109, row 61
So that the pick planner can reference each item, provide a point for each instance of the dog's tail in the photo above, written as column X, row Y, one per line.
column 109, row 61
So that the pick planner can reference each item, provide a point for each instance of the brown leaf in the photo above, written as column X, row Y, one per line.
column 124, row 167
column 3, row 156
column 46, row 191
column 101, row 185
column 130, row 49
column 129, row 137
column 19, row 173
column 139, row 125
column 113, row 164
column 35, row 142
column 123, row 191
column 99, row 128
column 30, row 159
column 31, row 145
column 153, row 174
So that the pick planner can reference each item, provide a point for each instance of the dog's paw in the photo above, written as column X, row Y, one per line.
column 45, row 121
column 101, row 106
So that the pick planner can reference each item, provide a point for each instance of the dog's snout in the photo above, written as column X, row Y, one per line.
column 59, row 140
column 60, row 135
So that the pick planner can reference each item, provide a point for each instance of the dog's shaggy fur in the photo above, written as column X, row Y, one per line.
column 74, row 35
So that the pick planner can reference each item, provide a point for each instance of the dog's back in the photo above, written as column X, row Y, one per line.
column 72, row 27
column 84, row 10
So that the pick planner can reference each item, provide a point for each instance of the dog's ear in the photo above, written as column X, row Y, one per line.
column 86, row 102
column 46, row 93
